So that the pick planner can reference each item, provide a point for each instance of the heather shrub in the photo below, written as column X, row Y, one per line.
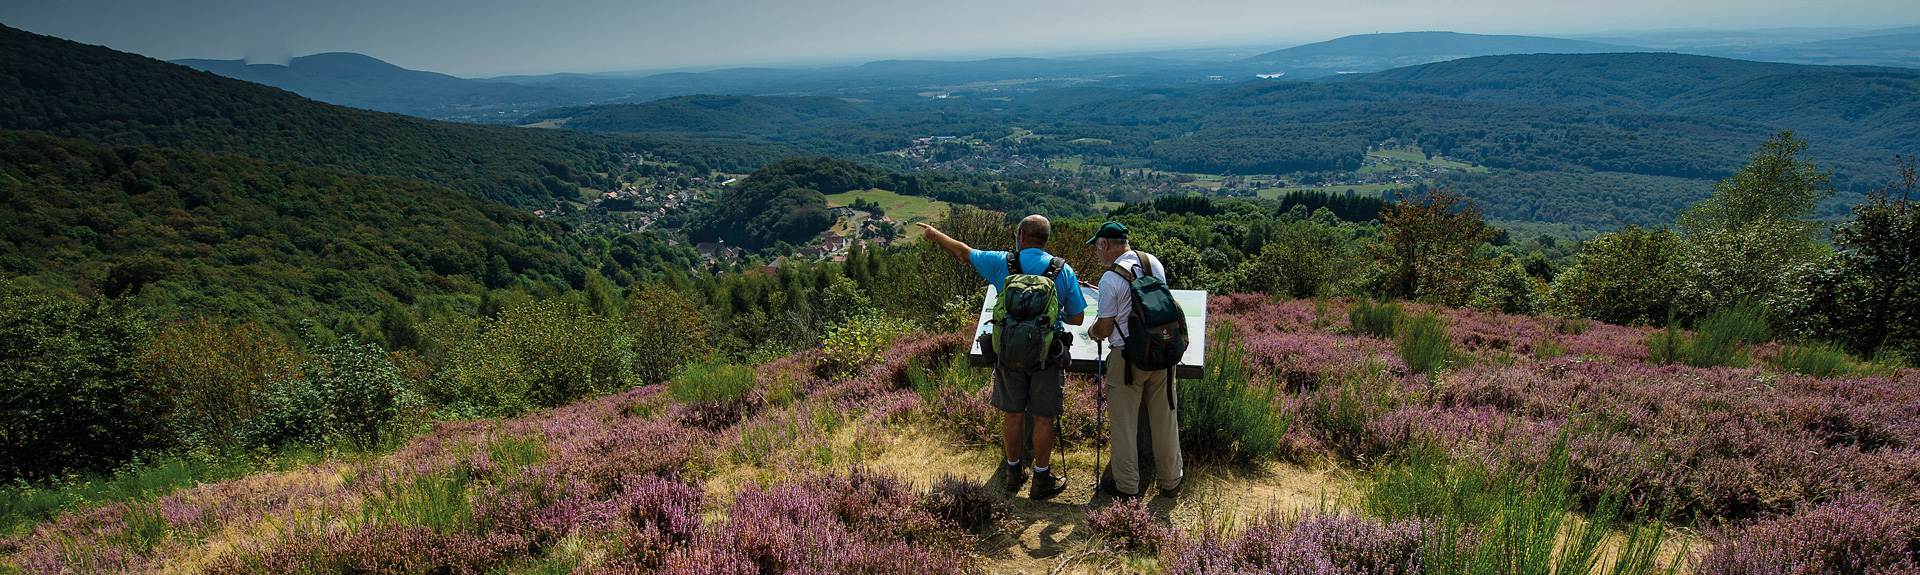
column 379, row 549
column 1378, row 320
column 1224, row 416
column 1316, row 544
column 1128, row 525
column 1854, row 535
column 969, row 504
column 856, row 523
column 1423, row 343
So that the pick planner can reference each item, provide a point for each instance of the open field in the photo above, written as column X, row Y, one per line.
column 905, row 209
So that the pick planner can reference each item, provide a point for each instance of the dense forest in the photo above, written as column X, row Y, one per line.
column 289, row 247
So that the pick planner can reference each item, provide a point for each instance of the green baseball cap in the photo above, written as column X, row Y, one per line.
column 1110, row 230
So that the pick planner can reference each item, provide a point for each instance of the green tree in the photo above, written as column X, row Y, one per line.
column 1428, row 241
column 69, row 397
column 1754, row 238
column 1632, row 276
column 667, row 331
column 1868, row 296
column 216, row 377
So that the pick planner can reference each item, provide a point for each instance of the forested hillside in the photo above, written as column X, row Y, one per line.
column 191, row 234
column 114, row 98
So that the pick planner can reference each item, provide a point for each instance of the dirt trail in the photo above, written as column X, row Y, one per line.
column 1047, row 537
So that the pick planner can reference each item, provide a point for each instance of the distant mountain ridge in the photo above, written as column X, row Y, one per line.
column 361, row 81
column 1371, row 52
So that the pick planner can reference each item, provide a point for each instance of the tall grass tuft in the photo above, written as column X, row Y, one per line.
column 1223, row 416
column 1482, row 521
column 711, row 381
column 1817, row 359
column 1423, row 343
column 1720, row 339
column 1377, row 320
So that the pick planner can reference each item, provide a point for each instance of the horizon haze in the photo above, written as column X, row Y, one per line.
column 493, row 39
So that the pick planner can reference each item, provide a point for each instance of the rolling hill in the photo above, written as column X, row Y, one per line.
column 360, row 81
column 113, row 98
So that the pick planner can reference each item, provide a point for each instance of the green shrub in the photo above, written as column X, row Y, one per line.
column 859, row 341
column 1377, row 320
column 1424, row 344
column 535, row 355
column 1818, row 359
column 70, row 401
column 1548, row 349
column 1223, row 417
column 712, row 380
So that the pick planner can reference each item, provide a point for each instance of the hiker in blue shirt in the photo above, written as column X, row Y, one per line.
column 1017, row 393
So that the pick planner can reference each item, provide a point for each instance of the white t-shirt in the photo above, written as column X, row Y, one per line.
column 1116, row 297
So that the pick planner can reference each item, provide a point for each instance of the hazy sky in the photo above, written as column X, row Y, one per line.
column 477, row 38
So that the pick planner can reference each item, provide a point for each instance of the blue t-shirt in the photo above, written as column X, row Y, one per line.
column 993, row 266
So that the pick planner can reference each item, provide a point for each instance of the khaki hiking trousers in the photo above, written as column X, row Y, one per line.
column 1123, row 408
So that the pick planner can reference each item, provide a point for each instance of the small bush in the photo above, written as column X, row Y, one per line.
column 1222, row 416
column 859, row 341
column 1128, row 525
column 1548, row 349
column 969, row 504
column 1819, row 359
column 1377, row 320
column 1424, row 344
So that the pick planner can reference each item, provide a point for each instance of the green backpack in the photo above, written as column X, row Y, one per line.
column 1157, row 327
column 1025, row 316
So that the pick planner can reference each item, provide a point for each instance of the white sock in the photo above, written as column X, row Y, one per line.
column 1013, row 462
column 1042, row 469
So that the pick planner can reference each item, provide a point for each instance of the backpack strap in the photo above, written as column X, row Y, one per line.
column 1054, row 266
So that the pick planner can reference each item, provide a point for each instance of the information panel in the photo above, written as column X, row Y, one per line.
column 1192, row 365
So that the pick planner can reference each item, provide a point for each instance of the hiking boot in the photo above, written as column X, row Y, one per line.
column 1016, row 477
column 1045, row 486
column 1112, row 490
column 1173, row 492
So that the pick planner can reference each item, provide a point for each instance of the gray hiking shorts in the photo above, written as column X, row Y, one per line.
column 1036, row 392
